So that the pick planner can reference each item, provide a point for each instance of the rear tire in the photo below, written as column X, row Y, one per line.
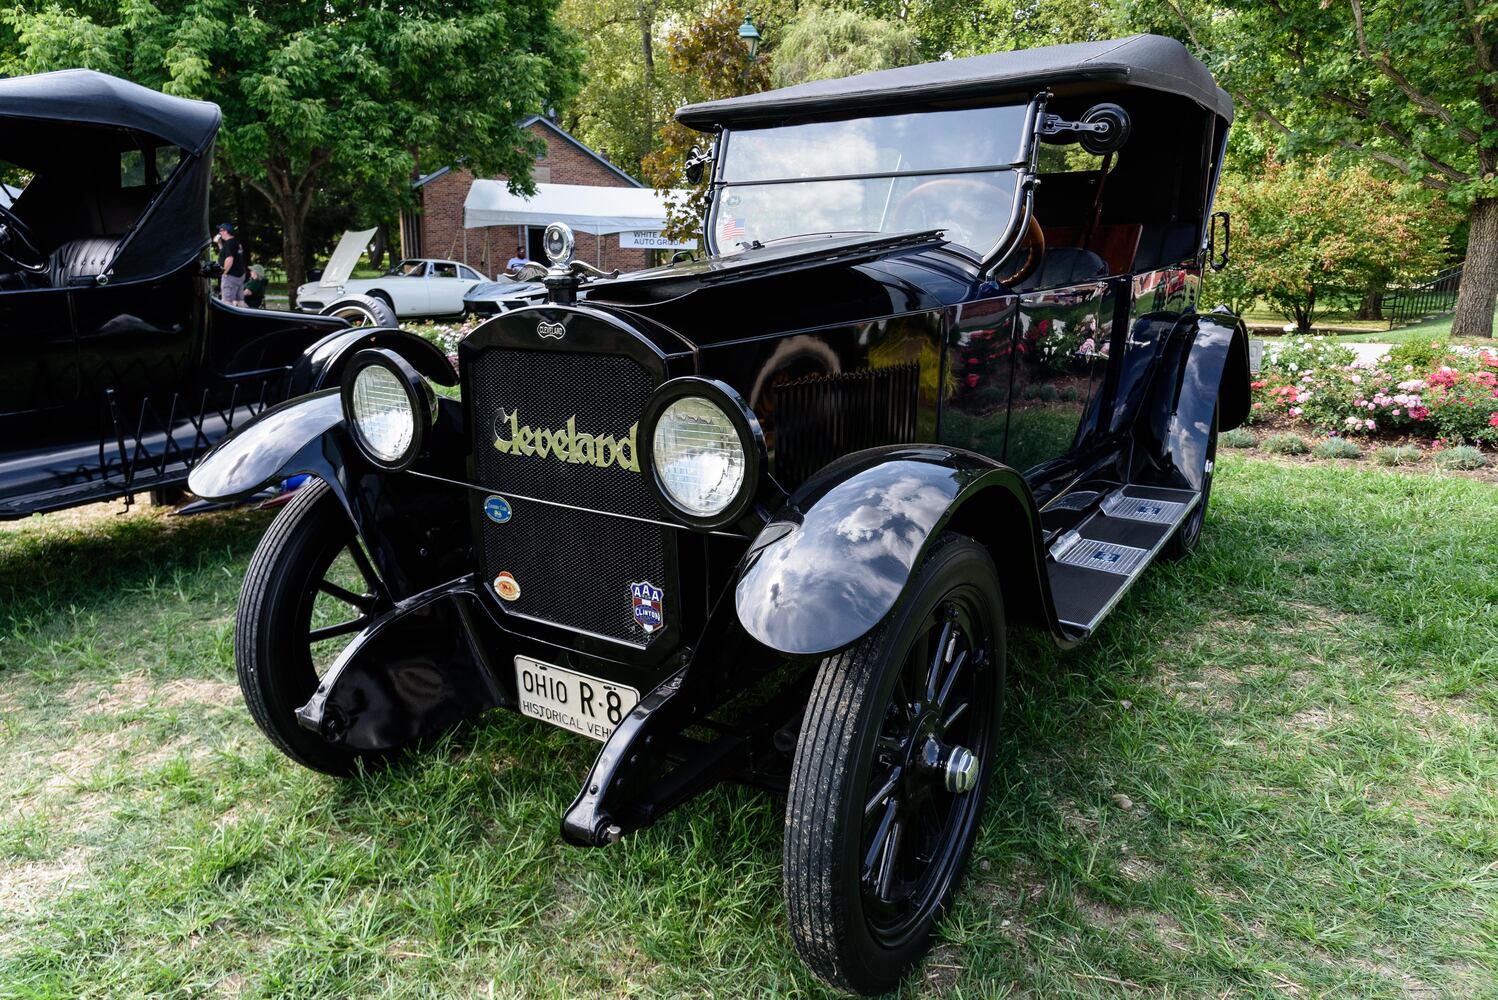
column 272, row 630
column 363, row 310
column 876, row 838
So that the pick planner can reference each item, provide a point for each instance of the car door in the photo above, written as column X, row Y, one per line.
column 446, row 287
column 38, row 352
column 407, row 287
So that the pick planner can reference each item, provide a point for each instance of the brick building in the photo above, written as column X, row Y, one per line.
column 437, row 229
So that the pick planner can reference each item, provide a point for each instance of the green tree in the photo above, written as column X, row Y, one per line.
column 628, row 92
column 711, row 58
column 825, row 43
column 1307, row 233
column 338, row 89
column 1410, row 87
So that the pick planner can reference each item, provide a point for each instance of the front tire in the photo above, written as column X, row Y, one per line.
column 883, row 804
column 306, row 568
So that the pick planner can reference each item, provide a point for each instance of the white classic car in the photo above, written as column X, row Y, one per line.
column 417, row 286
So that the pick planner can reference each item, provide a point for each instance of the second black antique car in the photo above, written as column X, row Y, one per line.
column 768, row 516
column 118, row 367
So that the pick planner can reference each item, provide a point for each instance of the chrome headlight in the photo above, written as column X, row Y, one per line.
column 387, row 406
column 703, row 450
column 698, row 456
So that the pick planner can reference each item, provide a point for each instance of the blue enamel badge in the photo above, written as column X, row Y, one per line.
column 497, row 509
column 649, row 606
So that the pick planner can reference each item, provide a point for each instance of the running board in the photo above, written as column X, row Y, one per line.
column 1093, row 565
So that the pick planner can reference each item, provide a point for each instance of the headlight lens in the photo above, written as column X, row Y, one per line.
column 699, row 460
column 383, row 414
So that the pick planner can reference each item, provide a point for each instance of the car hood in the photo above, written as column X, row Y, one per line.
column 661, row 284
column 341, row 265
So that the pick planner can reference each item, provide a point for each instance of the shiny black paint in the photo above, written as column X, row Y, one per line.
column 121, row 388
column 832, row 563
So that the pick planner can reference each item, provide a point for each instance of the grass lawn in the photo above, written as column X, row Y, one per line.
column 1272, row 774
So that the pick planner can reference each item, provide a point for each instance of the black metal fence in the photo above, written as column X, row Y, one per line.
column 1430, row 298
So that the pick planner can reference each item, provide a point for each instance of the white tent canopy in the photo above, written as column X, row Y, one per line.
column 596, row 210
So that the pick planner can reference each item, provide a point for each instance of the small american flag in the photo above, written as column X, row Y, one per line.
column 729, row 229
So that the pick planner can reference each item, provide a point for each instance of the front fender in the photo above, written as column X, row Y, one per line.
column 835, row 560
column 321, row 365
column 295, row 437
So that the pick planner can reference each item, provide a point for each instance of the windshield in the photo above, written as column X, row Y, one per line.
column 951, row 170
column 410, row 268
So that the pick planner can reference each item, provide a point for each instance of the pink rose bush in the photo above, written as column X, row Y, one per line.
column 1451, row 395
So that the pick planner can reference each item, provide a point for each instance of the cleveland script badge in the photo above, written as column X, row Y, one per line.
column 649, row 608
column 550, row 331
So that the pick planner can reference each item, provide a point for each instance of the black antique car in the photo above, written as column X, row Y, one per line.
column 118, row 368
column 768, row 516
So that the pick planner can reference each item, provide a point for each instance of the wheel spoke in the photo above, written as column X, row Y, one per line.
column 884, row 792
column 938, row 657
column 363, row 602
column 366, row 569
column 881, row 834
column 888, row 863
column 953, row 716
column 342, row 628
column 951, row 679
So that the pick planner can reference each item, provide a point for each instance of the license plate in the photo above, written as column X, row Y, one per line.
column 571, row 700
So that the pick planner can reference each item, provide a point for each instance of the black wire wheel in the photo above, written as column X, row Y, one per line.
column 890, row 774
column 309, row 589
column 1185, row 540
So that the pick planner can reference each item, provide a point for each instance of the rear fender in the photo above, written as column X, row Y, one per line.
column 321, row 365
column 1212, row 375
column 832, row 564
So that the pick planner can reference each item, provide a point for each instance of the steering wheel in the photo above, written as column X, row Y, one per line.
column 18, row 245
column 1034, row 243
column 949, row 188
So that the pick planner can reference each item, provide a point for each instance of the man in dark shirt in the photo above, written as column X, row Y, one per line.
column 231, row 262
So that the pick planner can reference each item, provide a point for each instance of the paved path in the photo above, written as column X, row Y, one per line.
column 1369, row 353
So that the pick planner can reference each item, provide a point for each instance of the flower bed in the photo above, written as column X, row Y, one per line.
column 1434, row 392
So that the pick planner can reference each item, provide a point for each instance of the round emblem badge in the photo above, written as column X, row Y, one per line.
column 497, row 509
column 506, row 587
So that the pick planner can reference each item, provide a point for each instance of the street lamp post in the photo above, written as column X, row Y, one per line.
column 749, row 34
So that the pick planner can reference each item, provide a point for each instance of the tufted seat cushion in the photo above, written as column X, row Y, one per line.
column 85, row 258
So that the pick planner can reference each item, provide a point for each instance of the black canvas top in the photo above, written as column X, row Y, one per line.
column 87, row 97
column 1149, row 61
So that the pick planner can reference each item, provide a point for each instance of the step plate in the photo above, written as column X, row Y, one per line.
column 1105, row 556
column 1144, row 509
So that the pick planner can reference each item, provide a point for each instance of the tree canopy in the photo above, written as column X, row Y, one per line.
column 825, row 43
column 369, row 91
column 1410, row 88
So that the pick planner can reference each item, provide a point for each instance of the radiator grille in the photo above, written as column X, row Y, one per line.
column 574, row 567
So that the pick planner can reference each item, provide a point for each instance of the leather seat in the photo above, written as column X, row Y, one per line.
column 1062, row 266
column 85, row 258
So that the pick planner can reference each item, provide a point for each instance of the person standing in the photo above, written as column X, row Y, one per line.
column 231, row 262
column 518, row 261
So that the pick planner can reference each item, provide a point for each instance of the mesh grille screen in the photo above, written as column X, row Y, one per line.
column 574, row 567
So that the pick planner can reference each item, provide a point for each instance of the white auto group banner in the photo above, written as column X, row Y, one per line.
column 650, row 239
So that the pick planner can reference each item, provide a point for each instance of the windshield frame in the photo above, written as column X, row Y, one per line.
column 1023, row 167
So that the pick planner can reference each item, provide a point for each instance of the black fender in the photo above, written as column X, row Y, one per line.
column 415, row 526
column 321, row 365
column 1212, row 374
column 298, row 436
column 834, row 561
